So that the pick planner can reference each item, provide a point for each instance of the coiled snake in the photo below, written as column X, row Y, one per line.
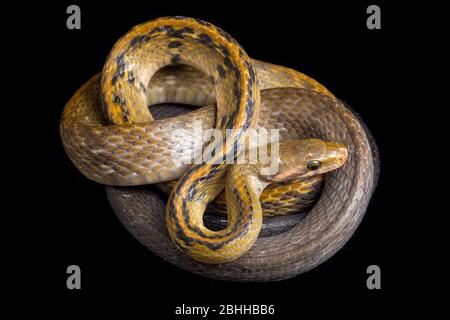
column 112, row 138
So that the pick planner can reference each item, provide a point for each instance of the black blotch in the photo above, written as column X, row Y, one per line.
column 206, row 40
column 241, row 54
column 214, row 168
column 213, row 80
column 185, row 212
column 120, row 68
column 171, row 208
column 221, row 71
column 186, row 219
column 252, row 74
column 191, row 192
column 225, row 51
column 118, row 100
column 138, row 40
column 249, row 106
column 175, row 44
column 175, row 59
column 227, row 62
column 231, row 66
column 215, row 246
column 222, row 122
column 231, row 119
column 187, row 241
column 237, row 91
column 237, row 72
column 179, row 33
column 180, row 233
column 251, row 70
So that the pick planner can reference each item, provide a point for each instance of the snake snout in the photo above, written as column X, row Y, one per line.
column 341, row 153
column 336, row 154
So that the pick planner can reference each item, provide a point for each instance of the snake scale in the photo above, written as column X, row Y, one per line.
column 111, row 136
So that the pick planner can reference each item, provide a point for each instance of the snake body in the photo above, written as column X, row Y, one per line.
column 132, row 152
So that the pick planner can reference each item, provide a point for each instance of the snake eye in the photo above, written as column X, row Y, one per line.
column 313, row 165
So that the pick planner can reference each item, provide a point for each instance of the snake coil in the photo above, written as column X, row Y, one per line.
column 112, row 138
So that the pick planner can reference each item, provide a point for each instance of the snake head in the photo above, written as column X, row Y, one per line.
column 308, row 157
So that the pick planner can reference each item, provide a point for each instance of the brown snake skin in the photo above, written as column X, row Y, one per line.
column 325, row 229
column 299, row 112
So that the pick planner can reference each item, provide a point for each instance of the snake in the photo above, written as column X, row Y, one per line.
column 109, row 134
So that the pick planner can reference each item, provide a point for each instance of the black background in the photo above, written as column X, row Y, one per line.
column 71, row 221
